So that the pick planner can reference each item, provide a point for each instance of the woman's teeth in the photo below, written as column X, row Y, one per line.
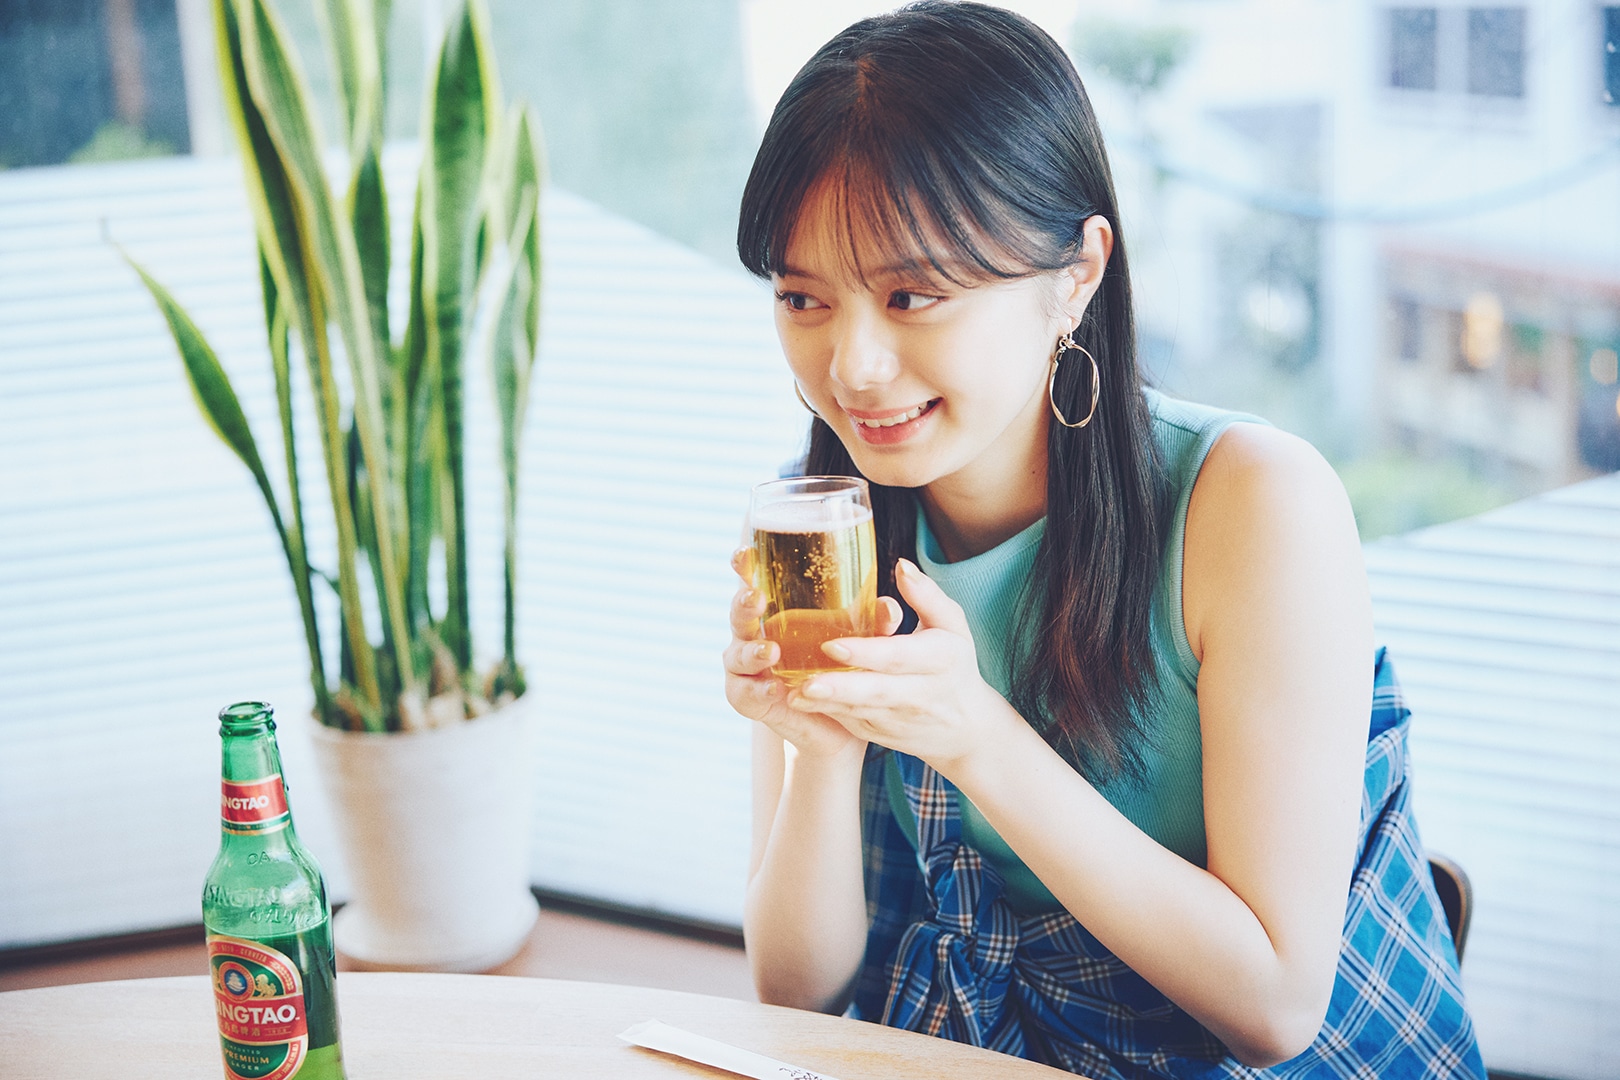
column 890, row 421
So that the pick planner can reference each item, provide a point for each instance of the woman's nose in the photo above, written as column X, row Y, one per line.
column 863, row 356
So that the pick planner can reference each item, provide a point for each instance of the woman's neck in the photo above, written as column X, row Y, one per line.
column 969, row 518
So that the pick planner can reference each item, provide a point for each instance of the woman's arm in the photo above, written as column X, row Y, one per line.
column 804, row 916
column 1276, row 606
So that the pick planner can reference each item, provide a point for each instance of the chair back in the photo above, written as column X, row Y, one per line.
column 1456, row 897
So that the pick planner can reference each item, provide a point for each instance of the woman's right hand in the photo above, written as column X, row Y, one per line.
column 756, row 693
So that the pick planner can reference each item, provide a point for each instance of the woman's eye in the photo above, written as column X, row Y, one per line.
column 798, row 301
column 909, row 301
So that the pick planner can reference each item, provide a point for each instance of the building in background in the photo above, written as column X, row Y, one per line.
column 1392, row 229
column 1500, row 326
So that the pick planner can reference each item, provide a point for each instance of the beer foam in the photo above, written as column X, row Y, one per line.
column 809, row 514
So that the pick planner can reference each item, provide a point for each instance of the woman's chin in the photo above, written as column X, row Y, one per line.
column 903, row 470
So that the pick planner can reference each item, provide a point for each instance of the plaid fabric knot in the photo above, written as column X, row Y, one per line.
column 948, row 956
column 951, row 972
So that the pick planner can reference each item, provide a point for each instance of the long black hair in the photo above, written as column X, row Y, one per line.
column 960, row 133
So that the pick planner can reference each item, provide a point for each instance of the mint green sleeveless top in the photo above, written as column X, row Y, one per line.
column 1168, row 802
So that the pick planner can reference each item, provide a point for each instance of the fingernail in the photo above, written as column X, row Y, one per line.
column 813, row 689
column 773, row 689
column 836, row 651
column 762, row 651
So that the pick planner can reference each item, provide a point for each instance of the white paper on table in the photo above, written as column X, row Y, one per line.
column 656, row 1035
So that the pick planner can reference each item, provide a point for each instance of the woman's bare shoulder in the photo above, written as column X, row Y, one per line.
column 1255, row 460
column 1267, row 515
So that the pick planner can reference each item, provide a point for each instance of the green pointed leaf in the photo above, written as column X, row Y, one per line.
column 427, row 456
column 420, row 425
column 382, row 13
column 524, row 181
column 411, row 357
column 514, row 335
column 369, row 202
column 511, row 359
column 365, row 526
column 461, row 127
column 368, row 205
column 512, row 342
column 269, row 192
column 212, row 388
column 354, row 41
column 275, row 313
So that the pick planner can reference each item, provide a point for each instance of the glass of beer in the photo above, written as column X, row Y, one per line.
column 815, row 559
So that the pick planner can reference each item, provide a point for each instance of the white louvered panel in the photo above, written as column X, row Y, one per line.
column 141, row 586
column 1505, row 631
column 1518, row 601
column 1411, row 562
column 660, row 402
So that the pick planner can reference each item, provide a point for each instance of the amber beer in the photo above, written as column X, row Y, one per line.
column 815, row 559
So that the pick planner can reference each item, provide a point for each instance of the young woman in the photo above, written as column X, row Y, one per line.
column 1114, row 801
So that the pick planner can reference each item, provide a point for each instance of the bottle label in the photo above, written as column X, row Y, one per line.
column 253, row 807
column 259, row 1001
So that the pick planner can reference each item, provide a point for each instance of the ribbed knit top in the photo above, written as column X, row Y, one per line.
column 1168, row 802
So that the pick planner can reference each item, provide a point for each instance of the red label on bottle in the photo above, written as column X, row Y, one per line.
column 257, row 806
column 259, row 1002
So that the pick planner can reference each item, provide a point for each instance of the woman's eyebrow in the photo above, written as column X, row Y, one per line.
column 936, row 272
column 909, row 269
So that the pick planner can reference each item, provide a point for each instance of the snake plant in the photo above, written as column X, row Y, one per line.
column 389, row 412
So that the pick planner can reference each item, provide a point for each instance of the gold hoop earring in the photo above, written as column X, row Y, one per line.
column 1066, row 343
column 800, row 395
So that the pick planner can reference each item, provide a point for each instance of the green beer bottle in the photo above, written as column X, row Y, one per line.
column 268, row 922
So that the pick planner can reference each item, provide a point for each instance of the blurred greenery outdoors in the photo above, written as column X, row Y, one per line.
column 644, row 103
column 645, row 111
column 119, row 141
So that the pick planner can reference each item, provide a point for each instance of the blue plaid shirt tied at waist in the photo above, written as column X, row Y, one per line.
column 946, row 954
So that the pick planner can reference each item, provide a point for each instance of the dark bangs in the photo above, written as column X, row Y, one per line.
column 914, row 163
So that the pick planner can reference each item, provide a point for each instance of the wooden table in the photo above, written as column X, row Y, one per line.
column 445, row 1027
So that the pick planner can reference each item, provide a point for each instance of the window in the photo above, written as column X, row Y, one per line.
column 1598, row 424
column 1526, row 350
column 87, row 80
column 1496, row 52
column 1457, row 344
column 1479, row 51
column 1412, row 48
column 1611, row 55
column 1408, row 328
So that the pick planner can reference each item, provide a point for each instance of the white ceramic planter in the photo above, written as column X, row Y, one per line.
column 435, row 825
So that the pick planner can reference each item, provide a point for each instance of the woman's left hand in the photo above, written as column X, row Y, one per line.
column 919, row 693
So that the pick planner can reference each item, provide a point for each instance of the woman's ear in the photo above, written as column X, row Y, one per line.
column 1079, row 281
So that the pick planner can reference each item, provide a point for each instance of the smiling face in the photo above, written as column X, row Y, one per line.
column 928, row 383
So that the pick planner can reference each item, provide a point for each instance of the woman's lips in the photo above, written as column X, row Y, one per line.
column 887, row 428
